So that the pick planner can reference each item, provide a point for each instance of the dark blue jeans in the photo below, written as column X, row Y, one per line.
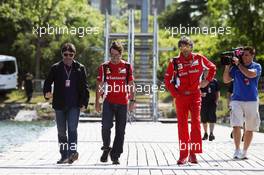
column 67, row 119
column 120, row 113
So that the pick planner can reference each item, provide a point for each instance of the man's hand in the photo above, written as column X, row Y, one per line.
column 97, row 107
column 131, row 106
column 226, row 76
column 236, row 61
column 48, row 95
column 204, row 83
column 227, row 67
column 82, row 109
column 203, row 94
column 216, row 102
column 229, row 105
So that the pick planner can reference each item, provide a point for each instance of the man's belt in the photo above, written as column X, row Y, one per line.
column 188, row 92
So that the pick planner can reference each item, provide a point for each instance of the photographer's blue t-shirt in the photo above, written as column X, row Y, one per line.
column 245, row 89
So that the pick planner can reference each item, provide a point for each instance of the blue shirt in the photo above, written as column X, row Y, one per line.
column 245, row 89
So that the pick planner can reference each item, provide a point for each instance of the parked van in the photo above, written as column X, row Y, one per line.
column 8, row 73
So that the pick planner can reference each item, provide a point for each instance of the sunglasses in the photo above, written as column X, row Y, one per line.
column 68, row 54
column 184, row 45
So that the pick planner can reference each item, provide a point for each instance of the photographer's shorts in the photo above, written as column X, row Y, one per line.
column 247, row 112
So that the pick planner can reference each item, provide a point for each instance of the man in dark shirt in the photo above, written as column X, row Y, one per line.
column 69, row 97
column 28, row 85
column 210, row 96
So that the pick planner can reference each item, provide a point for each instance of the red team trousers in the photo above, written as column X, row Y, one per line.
column 189, row 143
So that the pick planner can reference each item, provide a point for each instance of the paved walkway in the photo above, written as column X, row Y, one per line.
column 150, row 148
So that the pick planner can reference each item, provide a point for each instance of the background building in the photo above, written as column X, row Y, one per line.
column 113, row 6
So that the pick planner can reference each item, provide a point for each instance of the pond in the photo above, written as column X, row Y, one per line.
column 14, row 133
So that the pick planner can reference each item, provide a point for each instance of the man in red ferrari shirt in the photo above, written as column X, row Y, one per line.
column 183, row 80
column 115, row 83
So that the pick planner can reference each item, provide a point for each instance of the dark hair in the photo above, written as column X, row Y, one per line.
column 250, row 49
column 117, row 46
column 185, row 40
column 68, row 47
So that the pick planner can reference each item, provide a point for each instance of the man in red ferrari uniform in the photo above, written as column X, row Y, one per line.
column 183, row 80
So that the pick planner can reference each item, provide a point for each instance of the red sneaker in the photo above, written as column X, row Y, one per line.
column 181, row 161
column 192, row 158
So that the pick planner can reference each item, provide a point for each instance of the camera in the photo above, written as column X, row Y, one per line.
column 227, row 56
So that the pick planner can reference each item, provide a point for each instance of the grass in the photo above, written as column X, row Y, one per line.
column 261, row 98
column 18, row 96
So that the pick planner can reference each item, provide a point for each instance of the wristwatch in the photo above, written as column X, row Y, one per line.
column 132, row 100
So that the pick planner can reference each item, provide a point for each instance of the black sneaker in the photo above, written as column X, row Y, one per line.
column 205, row 137
column 73, row 157
column 211, row 137
column 106, row 151
column 114, row 158
column 63, row 161
column 115, row 162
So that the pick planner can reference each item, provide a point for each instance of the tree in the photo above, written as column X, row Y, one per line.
column 184, row 13
column 216, row 14
column 247, row 17
column 24, row 20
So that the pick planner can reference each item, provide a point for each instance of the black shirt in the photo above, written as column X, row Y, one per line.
column 209, row 92
column 76, row 95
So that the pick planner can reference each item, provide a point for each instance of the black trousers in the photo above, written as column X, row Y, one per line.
column 120, row 113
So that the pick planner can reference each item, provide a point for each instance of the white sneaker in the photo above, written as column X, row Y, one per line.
column 237, row 154
column 243, row 155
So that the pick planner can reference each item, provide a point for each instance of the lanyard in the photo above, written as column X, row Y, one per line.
column 68, row 73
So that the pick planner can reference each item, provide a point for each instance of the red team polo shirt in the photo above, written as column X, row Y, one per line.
column 190, row 72
column 116, row 80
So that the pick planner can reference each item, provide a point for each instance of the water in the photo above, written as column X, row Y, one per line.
column 14, row 133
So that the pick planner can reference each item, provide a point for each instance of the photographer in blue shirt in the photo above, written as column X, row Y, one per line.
column 245, row 74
